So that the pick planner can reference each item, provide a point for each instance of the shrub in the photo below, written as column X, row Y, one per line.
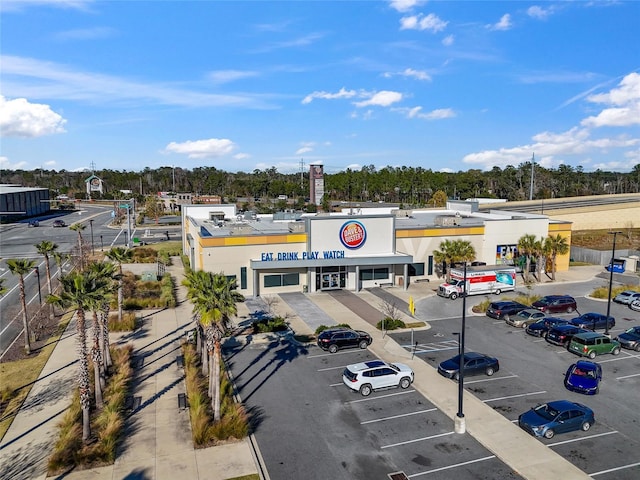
column 603, row 292
column 390, row 324
column 276, row 324
column 128, row 323
column 322, row 328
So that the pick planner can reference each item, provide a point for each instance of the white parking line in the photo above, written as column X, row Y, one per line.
column 615, row 359
column 514, row 396
column 382, row 396
column 490, row 379
column 582, row 438
column 331, row 368
column 452, row 466
column 614, row 469
column 418, row 440
column 399, row 416
column 628, row 376
column 342, row 352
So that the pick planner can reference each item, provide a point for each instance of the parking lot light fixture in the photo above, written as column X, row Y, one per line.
column 613, row 255
column 459, row 424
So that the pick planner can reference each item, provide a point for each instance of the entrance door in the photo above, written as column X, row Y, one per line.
column 333, row 278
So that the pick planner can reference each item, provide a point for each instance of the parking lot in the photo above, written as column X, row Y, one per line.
column 532, row 372
column 320, row 429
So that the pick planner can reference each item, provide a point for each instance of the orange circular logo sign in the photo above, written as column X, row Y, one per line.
column 353, row 235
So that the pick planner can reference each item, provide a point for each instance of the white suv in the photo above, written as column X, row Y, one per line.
column 368, row 376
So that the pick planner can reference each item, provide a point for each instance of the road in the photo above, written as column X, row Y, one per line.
column 18, row 240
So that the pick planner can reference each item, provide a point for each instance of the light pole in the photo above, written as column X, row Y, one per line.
column 36, row 269
column 613, row 255
column 101, row 244
column 459, row 424
column 91, row 229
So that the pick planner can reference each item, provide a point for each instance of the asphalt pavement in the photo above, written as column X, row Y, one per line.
column 158, row 443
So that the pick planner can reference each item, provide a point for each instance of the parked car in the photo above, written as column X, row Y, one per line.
column 540, row 327
column 562, row 334
column 635, row 305
column 368, row 376
column 556, row 304
column 525, row 317
column 59, row 223
column 591, row 344
column 502, row 310
column 630, row 339
column 34, row 223
column 335, row 339
column 556, row 417
column 583, row 377
column 474, row 364
column 593, row 321
column 626, row 297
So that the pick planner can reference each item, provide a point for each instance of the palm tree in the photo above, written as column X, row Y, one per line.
column 22, row 267
column 527, row 247
column 46, row 248
column 453, row 251
column 539, row 255
column 214, row 297
column 104, row 271
column 120, row 255
column 78, row 227
column 555, row 245
column 81, row 291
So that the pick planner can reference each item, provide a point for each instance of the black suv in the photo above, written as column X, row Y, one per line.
column 335, row 339
column 541, row 327
column 562, row 334
column 556, row 304
column 503, row 310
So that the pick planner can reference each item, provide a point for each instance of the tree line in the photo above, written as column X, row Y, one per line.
column 410, row 186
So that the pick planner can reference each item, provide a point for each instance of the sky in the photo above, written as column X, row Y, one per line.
column 245, row 85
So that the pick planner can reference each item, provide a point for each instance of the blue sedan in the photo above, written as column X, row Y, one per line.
column 556, row 417
column 583, row 377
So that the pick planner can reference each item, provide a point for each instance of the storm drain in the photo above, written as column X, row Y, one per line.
column 398, row 476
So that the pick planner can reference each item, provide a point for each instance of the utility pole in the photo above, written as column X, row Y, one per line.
column 533, row 164
column 301, row 173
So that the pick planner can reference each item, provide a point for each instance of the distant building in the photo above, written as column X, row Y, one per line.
column 316, row 183
column 16, row 202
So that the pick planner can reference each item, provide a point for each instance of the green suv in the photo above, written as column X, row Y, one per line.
column 591, row 344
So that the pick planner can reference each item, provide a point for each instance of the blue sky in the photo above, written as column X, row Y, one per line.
column 244, row 85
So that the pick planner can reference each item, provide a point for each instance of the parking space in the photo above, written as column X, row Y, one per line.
column 405, row 426
column 338, row 433
column 532, row 372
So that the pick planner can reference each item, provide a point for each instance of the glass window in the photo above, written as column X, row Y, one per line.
column 366, row 274
column 272, row 281
column 380, row 273
column 416, row 269
column 290, row 279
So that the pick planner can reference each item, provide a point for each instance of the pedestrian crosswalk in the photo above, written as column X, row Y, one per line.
column 432, row 347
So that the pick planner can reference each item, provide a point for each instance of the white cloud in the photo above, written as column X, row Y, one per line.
column 503, row 24
column 343, row 93
column 282, row 167
column 383, row 98
column 539, row 12
column 431, row 23
column 226, row 76
column 241, row 156
column 548, row 146
column 416, row 112
column 210, row 148
column 448, row 40
column 410, row 73
column 624, row 102
column 19, row 118
column 5, row 164
column 405, row 5
column 30, row 78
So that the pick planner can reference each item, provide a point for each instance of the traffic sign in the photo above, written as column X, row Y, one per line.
column 124, row 205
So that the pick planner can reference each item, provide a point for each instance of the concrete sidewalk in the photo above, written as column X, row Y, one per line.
column 157, row 442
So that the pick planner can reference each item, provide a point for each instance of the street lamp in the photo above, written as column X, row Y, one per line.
column 613, row 255
column 91, row 228
column 459, row 424
column 101, row 244
column 36, row 269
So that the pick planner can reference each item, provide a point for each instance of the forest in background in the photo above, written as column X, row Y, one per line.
column 410, row 186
